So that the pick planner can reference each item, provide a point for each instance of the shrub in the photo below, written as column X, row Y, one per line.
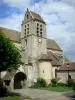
column 40, row 83
column 3, row 90
column 54, row 82
column 70, row 82
column 74, row 86
column 60, row 84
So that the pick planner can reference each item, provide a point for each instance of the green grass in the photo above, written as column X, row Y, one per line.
column 56, row 88
column 11, row 98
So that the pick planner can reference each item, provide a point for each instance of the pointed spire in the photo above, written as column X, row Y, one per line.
column 27, row 9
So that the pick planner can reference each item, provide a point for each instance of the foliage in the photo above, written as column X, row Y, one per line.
column 54, row 82
column 40, row 83
column 3, row 90
column 56, row 88
column 11, row 98
column 9, row 55
column 70, row 82
column 60, row 84
column 73, row 87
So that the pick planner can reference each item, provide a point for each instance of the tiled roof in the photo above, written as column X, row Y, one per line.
column 9, row 75
column 54, row 61
column 65, row 67
column 37, row 16
column 51, row 44
column 45, row 57
column 50, row 56
column 12, row 34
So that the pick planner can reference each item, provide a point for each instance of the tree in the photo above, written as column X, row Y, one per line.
column 10, row 57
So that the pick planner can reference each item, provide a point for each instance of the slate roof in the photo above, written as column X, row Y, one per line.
column 65, row 68
column 37, row 17
column 51, row 44
column 12, row 34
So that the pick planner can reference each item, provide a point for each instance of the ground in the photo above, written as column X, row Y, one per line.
column 37, row 94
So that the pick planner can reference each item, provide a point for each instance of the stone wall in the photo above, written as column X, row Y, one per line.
column 63, row 75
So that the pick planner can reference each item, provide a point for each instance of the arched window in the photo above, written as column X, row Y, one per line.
column 69, row 76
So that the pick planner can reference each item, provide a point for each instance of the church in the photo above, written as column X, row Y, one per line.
column 41, row 57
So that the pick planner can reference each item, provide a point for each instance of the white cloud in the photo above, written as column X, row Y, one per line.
column 21, row 4
column 12, row 22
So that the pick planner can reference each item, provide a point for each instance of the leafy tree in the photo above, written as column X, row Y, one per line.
column 10, row 57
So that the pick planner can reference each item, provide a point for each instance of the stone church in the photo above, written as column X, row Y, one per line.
column 41, row 57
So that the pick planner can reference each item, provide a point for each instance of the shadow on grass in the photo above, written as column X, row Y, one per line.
column 13, row 94
column 10, row 95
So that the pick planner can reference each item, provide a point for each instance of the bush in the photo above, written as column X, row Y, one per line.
column 54, row 82
column 70, row 82
column 40, row 83
column 3, row 90
column 60, row 84
column 74, row 86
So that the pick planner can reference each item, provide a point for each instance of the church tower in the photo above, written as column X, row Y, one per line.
column 33, row 39
column 33, row 36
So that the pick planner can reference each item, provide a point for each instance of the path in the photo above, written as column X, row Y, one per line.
column 36, row 94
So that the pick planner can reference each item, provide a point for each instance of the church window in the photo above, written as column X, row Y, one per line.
column 41, row 34
column 27, row 16
column 40, row 29
column 26, row 41
column 25, row 26
column 37, row 28
column 25, row 31
column 41, row 25
column 37, row 31
column 37, row 24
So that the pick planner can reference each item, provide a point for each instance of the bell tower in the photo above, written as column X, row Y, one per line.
column 33, row 36
column 33, row 39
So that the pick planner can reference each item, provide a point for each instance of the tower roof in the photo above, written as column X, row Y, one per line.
column 36, row 16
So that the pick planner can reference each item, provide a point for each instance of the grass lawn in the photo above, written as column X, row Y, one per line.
column 11, row 98
column 57, row 88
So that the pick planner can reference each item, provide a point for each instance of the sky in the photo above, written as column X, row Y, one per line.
column 58, row 14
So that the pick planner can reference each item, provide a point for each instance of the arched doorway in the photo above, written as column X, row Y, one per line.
column 19, row 80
